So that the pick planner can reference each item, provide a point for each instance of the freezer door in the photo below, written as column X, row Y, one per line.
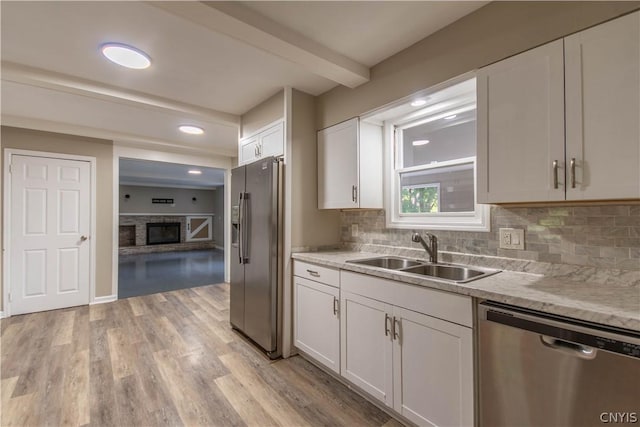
column 236, row 270
column 261, row 253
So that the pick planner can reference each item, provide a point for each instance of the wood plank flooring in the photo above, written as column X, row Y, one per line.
column 163, row 359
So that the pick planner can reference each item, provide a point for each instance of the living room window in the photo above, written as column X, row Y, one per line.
column 431, row 161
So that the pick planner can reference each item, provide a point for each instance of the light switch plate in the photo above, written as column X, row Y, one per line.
column 511, row 238
column 354, row 230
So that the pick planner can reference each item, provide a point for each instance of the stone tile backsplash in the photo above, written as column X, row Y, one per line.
column 606, row 236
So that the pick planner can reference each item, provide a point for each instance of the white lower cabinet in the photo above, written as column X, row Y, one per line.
column 366, row 345
column 419, row 365
column 317, row 323
column 432, row 370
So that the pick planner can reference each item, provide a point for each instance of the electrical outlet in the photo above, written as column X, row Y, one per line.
column 354, row 230
column 511, row 238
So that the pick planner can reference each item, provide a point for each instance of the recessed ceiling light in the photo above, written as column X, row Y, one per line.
column 195, row 172
column 419, row 142
column 126, row 56
column 451, row 117
column 418, row 102
column 191, row 130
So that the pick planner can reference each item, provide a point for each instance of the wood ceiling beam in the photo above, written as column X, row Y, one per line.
column 241, row 23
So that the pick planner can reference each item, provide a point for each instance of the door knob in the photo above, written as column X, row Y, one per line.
column 83, row 238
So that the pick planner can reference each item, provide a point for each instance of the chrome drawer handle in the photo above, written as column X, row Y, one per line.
column 313, row 273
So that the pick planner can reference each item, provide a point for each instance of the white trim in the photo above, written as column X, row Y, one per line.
column 221, row 248
column 167, row 214
column 105, row 299
column 2, row 316
column 287, row 282
column 6, row 278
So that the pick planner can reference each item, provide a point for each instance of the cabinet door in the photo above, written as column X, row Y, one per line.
column 521, row 127
column 338, row 166
column 603, row 110
column 272, row 141
column 316, row 326
column 366, row 346
column 433, row 370
column 248, row 150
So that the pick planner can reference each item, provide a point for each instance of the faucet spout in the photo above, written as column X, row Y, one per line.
column 431, row 247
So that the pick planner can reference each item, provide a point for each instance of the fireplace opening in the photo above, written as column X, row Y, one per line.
column 159, row 233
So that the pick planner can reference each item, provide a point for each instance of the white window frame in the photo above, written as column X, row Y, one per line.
column 478, row 220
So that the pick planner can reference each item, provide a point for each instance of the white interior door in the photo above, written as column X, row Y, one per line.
column 49, row 233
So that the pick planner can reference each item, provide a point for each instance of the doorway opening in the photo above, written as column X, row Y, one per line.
column 171, row 227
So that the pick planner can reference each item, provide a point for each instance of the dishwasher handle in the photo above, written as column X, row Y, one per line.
column 564, row 334
column 567, row 347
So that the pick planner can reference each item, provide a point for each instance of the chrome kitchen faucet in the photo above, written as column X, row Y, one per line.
column 431, row 247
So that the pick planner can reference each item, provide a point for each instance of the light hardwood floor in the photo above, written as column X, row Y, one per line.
column 163, row 359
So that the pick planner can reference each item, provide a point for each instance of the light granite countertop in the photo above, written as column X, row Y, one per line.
column 614, row 305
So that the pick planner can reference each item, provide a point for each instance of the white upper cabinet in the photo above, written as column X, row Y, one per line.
column 350, row 166
column 267, row 142
column 521, row 127
column 561, row 122
column 602, row 66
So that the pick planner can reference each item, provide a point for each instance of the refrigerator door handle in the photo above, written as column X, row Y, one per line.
column 245, row 233
column 240, row 230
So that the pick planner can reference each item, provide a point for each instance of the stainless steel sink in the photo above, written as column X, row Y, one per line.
column 449, row 272
column 387, row 262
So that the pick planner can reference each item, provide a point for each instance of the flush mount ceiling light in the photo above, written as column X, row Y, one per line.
column 419, row 142
column 191, row 130
column 418, row 102
column 126, row 56
column 451, row 117
column 195, row 172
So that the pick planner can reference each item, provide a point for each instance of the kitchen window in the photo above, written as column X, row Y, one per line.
column 431, row 162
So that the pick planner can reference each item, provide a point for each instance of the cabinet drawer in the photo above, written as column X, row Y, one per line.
column 436, row 303
column 317, row 273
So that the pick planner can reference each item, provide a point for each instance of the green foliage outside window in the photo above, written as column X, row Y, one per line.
column 419, row 199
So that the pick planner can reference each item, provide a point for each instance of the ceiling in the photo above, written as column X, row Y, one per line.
column 211, row 61
column 172, row 175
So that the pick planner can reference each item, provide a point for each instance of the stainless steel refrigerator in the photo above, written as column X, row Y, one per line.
column 256, row 191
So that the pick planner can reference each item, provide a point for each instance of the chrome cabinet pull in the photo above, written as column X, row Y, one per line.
column 313, row 273
column 335, row 306
column 573, row 172
column 555, row 174
column 396, row 331
column 83, row 238
column 353, row 193
column 386, row 323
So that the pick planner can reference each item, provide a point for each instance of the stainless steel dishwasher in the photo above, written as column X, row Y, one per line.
column 537, row 369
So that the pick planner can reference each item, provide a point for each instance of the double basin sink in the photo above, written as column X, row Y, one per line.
column 449, row 272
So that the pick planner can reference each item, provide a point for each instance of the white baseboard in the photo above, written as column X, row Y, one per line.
column 2, row 316
column 104, row 300
column 219, row 247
